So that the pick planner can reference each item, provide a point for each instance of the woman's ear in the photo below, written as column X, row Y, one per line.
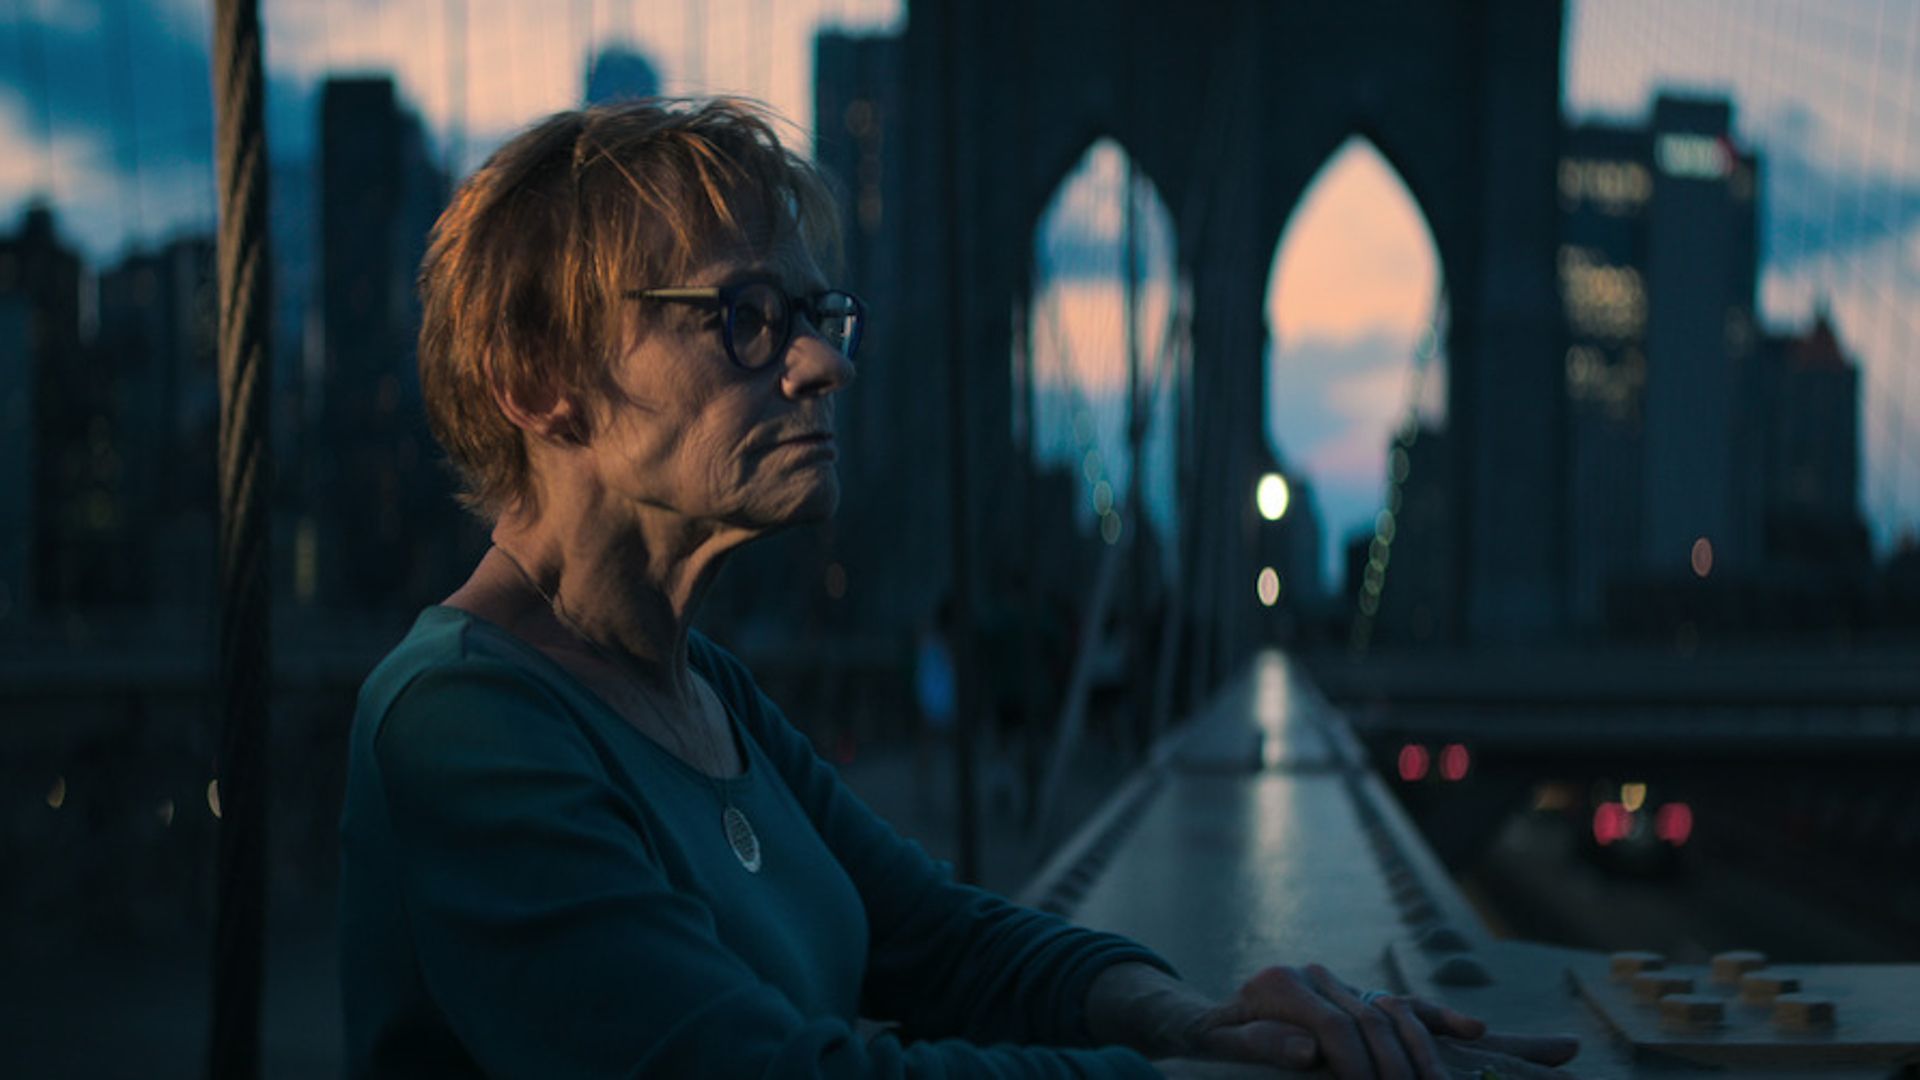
column 546, row 414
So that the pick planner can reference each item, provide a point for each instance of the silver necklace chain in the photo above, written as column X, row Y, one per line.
column 739, row 832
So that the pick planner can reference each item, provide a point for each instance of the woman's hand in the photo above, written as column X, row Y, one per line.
column 1298, row 1018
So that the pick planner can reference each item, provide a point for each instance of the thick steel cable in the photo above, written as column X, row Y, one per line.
column 952, row 148
column 240, row 151
column 33, row 62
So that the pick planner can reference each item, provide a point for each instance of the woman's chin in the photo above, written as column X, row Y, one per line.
column 820, row 501
column 814, row 502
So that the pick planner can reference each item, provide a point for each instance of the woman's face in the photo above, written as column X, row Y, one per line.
column 688, row 431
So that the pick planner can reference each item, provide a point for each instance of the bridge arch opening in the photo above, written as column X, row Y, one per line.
column 1355, row 367
column 1072, row 347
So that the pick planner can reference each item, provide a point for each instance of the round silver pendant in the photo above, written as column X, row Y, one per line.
column 746, row 846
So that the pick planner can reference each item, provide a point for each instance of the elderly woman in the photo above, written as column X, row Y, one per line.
column 578, row 840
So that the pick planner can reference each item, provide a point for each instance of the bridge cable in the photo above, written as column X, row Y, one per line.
column 33, row 59
column 127, row 125
column 245, row 661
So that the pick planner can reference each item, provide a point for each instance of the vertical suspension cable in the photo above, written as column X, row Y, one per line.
column 1135, row 607
column 695, row 46
column 1909, row 116
column 127, row 126
column 197, row 124
column 456, row 54
column 578, row 49
column 960, row 473
column 1853, row 267
column 1847, row 284
column 759, row 47
column 33, row 56
column 245, row 662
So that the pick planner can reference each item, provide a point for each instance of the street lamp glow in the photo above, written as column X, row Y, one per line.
column 1272, row 496
column 1267, row 586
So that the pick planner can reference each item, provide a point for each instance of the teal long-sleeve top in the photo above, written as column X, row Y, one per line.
column 530, row 887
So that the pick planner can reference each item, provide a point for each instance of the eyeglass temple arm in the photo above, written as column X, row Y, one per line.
column 709, row 294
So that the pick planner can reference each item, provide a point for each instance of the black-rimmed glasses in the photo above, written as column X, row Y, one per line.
column 756, row 317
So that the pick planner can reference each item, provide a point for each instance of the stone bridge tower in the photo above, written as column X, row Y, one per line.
column 1232, row 107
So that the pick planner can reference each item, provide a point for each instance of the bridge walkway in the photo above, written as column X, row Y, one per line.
column 1259, row 834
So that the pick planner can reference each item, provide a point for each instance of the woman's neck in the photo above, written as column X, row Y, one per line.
column 631, row 590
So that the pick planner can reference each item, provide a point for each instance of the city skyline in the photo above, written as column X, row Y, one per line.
column 1344, row 330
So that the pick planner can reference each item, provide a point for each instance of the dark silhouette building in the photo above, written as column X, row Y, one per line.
column 1658, row 268
column 1700, row 446
column 1810, row 454
column 382, row 528
column 107, row 442
column 1606, row 182
column 618, row 72
column 158, row 327
column 1701, row 271
column 1462, row 98
column 76, row 522
column 890, row 424
column 18, row 460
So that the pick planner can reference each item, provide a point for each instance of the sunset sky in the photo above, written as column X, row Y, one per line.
column 105, row 104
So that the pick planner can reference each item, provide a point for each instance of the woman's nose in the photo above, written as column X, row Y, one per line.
column 814, row 367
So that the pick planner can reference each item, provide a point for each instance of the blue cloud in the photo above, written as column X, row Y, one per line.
column 130, row 81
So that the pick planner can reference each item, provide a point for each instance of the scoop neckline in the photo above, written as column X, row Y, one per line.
column 735, row 729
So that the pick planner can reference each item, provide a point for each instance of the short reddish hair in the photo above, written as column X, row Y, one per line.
column 521, row 285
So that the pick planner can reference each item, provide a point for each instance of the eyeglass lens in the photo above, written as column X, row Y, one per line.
column 759, row 322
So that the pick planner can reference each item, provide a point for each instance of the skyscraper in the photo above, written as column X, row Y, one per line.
column 1701, row 271
column 1606, row 183
column 1658, row 267
column 1701, row 446
column 892, row 469
column 382, row 521
column 158, row 335
column 76, row 450
column 18, row 435
column 1810, row 452
column 617, row 72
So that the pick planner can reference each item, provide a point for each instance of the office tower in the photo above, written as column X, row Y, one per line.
column 618, row 72
column 1701, row 271
column 1606, row 183
column 1810, row 459
column 382, row 521
column 76, row 450
column 159, row 338
column 1658, row 265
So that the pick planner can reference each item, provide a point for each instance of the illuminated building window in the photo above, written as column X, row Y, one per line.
column 1616, row 188
column 1602, row 300
column 1693, row 157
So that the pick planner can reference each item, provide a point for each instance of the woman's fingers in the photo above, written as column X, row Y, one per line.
column 1383, row 1039
column 1414, row 1037
column 1295, row 1017
column 1445, row 1021
column 1290, row 994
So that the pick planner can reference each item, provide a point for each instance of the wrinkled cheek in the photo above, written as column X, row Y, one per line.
column 729, row 476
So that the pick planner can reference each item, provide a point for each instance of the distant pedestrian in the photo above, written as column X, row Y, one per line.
column 937, row 699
